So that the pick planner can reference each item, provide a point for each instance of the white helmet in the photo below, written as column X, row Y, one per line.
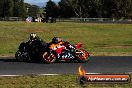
column 33, row 36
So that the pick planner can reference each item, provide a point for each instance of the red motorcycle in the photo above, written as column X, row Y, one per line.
column 64, row 51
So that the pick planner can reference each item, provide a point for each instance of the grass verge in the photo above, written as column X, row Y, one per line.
column 59, row 81
column 98, row 39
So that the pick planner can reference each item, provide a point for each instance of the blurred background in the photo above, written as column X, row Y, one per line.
column 66, row 10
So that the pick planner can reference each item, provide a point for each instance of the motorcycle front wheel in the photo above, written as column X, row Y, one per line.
column 82, row 56
column 49, row 57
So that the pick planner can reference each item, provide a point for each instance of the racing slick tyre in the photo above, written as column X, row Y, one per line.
column 49, row 57
column 82, row 56
column 18, row 56
column 22, row 56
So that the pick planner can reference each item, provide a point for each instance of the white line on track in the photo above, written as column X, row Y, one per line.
column 48, row 74
column 27, row 75
column 9, row 75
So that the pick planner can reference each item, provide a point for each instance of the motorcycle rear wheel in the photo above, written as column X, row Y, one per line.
column 22, row 56
column 18, row 56
column 82, row 56
column 49, row 57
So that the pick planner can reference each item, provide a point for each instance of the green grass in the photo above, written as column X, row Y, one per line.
column 98, row 39
column 59, row 81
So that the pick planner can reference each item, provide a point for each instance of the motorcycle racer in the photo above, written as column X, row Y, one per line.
column 35, row 38
column 57, row 50
column 59, row 42
column 36, row 43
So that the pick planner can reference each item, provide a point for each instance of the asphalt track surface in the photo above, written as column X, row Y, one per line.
column 97, row 64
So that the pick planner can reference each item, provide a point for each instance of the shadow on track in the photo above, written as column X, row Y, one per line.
column 12, row 59
column 8, row 59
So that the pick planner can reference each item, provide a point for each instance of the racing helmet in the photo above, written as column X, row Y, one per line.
column 33, row 36
column 56, row 39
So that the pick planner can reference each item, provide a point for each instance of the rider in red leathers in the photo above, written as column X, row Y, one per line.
column 60, row 43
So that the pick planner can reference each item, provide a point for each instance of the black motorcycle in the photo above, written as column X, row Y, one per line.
column 30, row 51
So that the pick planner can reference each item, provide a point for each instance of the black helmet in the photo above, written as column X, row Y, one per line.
column 33, row 36
column 56, row 39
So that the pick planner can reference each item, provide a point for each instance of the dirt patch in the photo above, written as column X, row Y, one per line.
column 118, row 46
column 111, row 54
column 7, row 56
column 113, row 46
column 36, row 30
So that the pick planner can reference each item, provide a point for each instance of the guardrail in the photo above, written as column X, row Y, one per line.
column 94, row 20
column 11, row 19
column 103, row 20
